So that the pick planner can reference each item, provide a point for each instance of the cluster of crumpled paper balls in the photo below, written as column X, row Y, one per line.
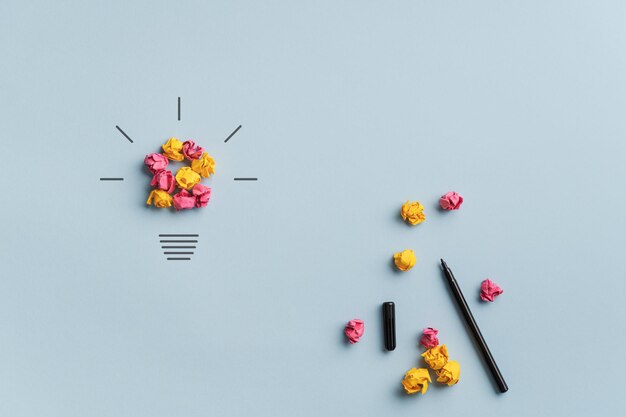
column 436, row 357
column 192, row 194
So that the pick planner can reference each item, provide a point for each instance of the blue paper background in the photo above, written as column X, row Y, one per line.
column 348, row 108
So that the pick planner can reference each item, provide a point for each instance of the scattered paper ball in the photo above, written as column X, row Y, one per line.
column 416, row 380
column 489, row 290
column 436, row 357
column 450, row 373
column 429, row 338
column 451, row 201
column 413, row 212
column 354, row 330
column 404, row 260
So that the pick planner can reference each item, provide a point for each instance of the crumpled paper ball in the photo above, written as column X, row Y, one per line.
column 404, row 260
column 191, row 150
column 416, row 380
column 202, row 195
column 204, row 166
column 161, row 199
column 155, row 162
column 184, row 200
column 451, row 201
column 164, row 180
column 436, row 357
column 450, row 373
column 413, row 212
column 429, row 338
column 354, row 330
column 173, row 149
column 186, row 178
column 489, row 290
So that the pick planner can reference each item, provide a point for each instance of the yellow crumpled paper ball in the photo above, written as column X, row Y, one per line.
column 173, row 149
column 413, row 212
column 436, row 357
column 416, row 380
column 161, row 199
column 204, row 166
column 450, row 373
column 404, row 260
column 186, row 178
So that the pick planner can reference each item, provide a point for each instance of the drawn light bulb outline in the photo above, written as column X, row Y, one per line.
column 177, row 244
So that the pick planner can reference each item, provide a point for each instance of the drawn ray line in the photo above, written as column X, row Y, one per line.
column 124, row 133
column 232, row 134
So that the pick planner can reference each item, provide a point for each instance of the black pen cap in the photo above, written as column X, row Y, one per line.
column 389, row 324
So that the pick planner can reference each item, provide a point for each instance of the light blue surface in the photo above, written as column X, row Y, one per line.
column 348, row 109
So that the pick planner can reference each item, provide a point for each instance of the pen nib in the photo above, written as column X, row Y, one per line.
column 443, row 264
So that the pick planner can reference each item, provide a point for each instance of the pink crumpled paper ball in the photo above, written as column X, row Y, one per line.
column 164, row 180
column 451, row 201
column 202, row 195
column 489, row 290
column 354, row 330
column 155, row 162
column 183, row 200
column 191, row 150
column 429, row 338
